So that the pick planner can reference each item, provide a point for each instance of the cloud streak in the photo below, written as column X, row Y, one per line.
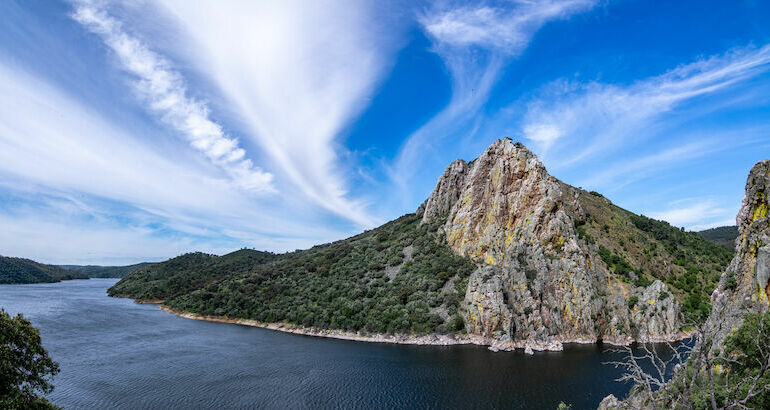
column 587, row 119
column 301, row 72
column 66, row 165
column 696, row 214
column 475, row 43
column 165, row 92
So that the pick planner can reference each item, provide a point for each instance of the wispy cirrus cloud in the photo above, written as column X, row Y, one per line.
column 587, row 119
column 475, row 42
column 507, row 29
column 696, row 214
column 165, row 93
column 70, row 178
column 302, row 71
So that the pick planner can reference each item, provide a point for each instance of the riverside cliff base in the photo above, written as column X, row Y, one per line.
column 529, row 346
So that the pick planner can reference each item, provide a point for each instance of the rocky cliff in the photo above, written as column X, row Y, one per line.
column 540, row 283
column 744, row 287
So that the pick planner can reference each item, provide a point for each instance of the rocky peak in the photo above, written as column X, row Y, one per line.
column 538, row 284
column 755, row 201
column 447, row 191
column 744, row 287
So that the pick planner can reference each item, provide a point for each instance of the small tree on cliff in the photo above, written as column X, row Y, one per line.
column 25, row 367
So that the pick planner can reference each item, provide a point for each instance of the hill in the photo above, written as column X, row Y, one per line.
column 96, row 271
column 500, row 251
column 722, row 236
column 19, row 270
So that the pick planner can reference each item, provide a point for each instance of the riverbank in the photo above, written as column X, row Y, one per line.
column 529, row 346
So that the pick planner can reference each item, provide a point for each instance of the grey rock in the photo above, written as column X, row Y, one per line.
column 750, row 266
column 540, row 282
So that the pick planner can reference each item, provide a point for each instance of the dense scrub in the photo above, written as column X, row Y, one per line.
column 723, row 236
column 186, row 273
column 400, row 277
column 638, row 250
column 18, row 270
column 96, row 271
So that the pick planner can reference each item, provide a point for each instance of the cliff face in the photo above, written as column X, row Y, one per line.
column 541, row 283
column 744, row 287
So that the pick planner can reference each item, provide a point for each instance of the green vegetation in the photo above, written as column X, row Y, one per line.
column 400, row 277
column 723, row 236
column 187, row 273
column 746, row 359
column 25, row 367
column 95, row 271
column 736, row 377
column 639, row 249
column 18, row 270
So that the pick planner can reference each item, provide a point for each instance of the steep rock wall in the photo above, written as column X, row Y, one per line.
column 744, row 287
column 539, row 282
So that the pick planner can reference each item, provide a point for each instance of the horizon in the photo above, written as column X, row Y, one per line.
column 138, row 132
column 295, row 250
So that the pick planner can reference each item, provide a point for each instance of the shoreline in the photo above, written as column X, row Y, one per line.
column 529, row 346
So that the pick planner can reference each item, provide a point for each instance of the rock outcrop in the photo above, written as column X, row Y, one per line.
column 744, row 287
column 540, row 284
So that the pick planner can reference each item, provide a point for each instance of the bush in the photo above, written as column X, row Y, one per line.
column 730, row 282
column 632, row 301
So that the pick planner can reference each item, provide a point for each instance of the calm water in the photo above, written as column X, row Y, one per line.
column 117, row 354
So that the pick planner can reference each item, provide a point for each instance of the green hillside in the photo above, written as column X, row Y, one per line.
column 723, row 236
column 96, row 271
column 398, row 277
column 402, row 277
column 18, row 270
column 640, row 249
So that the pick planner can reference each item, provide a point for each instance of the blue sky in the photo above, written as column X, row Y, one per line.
column 134, row 131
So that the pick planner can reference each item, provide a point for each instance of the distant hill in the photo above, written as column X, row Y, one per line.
column 19, row 270
column 97, row 271
column 723, row 236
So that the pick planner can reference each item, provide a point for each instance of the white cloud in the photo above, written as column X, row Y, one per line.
column 591, row 118
column 475, row 42
column 301, row 71
column 507, row 30
column 70, row 162
column 696, row 214
column 717, row 224
column 166, row 94
column 632, row 169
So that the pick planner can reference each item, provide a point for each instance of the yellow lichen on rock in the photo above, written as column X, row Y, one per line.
column 760, row 211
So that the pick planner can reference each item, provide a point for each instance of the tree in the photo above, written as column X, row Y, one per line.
column 704, row 377
column 25, row 367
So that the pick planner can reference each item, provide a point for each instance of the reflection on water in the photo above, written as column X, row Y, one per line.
column 114, row 353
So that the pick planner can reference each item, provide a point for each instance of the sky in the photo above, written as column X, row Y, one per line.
column 140, row 130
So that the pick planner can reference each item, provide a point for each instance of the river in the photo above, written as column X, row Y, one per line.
column 117, row 354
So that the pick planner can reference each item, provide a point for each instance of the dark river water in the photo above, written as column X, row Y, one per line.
column 117, row 354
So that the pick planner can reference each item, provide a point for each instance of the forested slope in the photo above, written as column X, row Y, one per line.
column 19, row 270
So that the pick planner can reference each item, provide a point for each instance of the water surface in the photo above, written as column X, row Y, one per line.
column 118, row 354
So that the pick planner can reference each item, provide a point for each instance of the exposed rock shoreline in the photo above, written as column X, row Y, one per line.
column 529, row 346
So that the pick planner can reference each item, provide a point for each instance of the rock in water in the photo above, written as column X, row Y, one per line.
column 744, row 287
column 542, row 284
